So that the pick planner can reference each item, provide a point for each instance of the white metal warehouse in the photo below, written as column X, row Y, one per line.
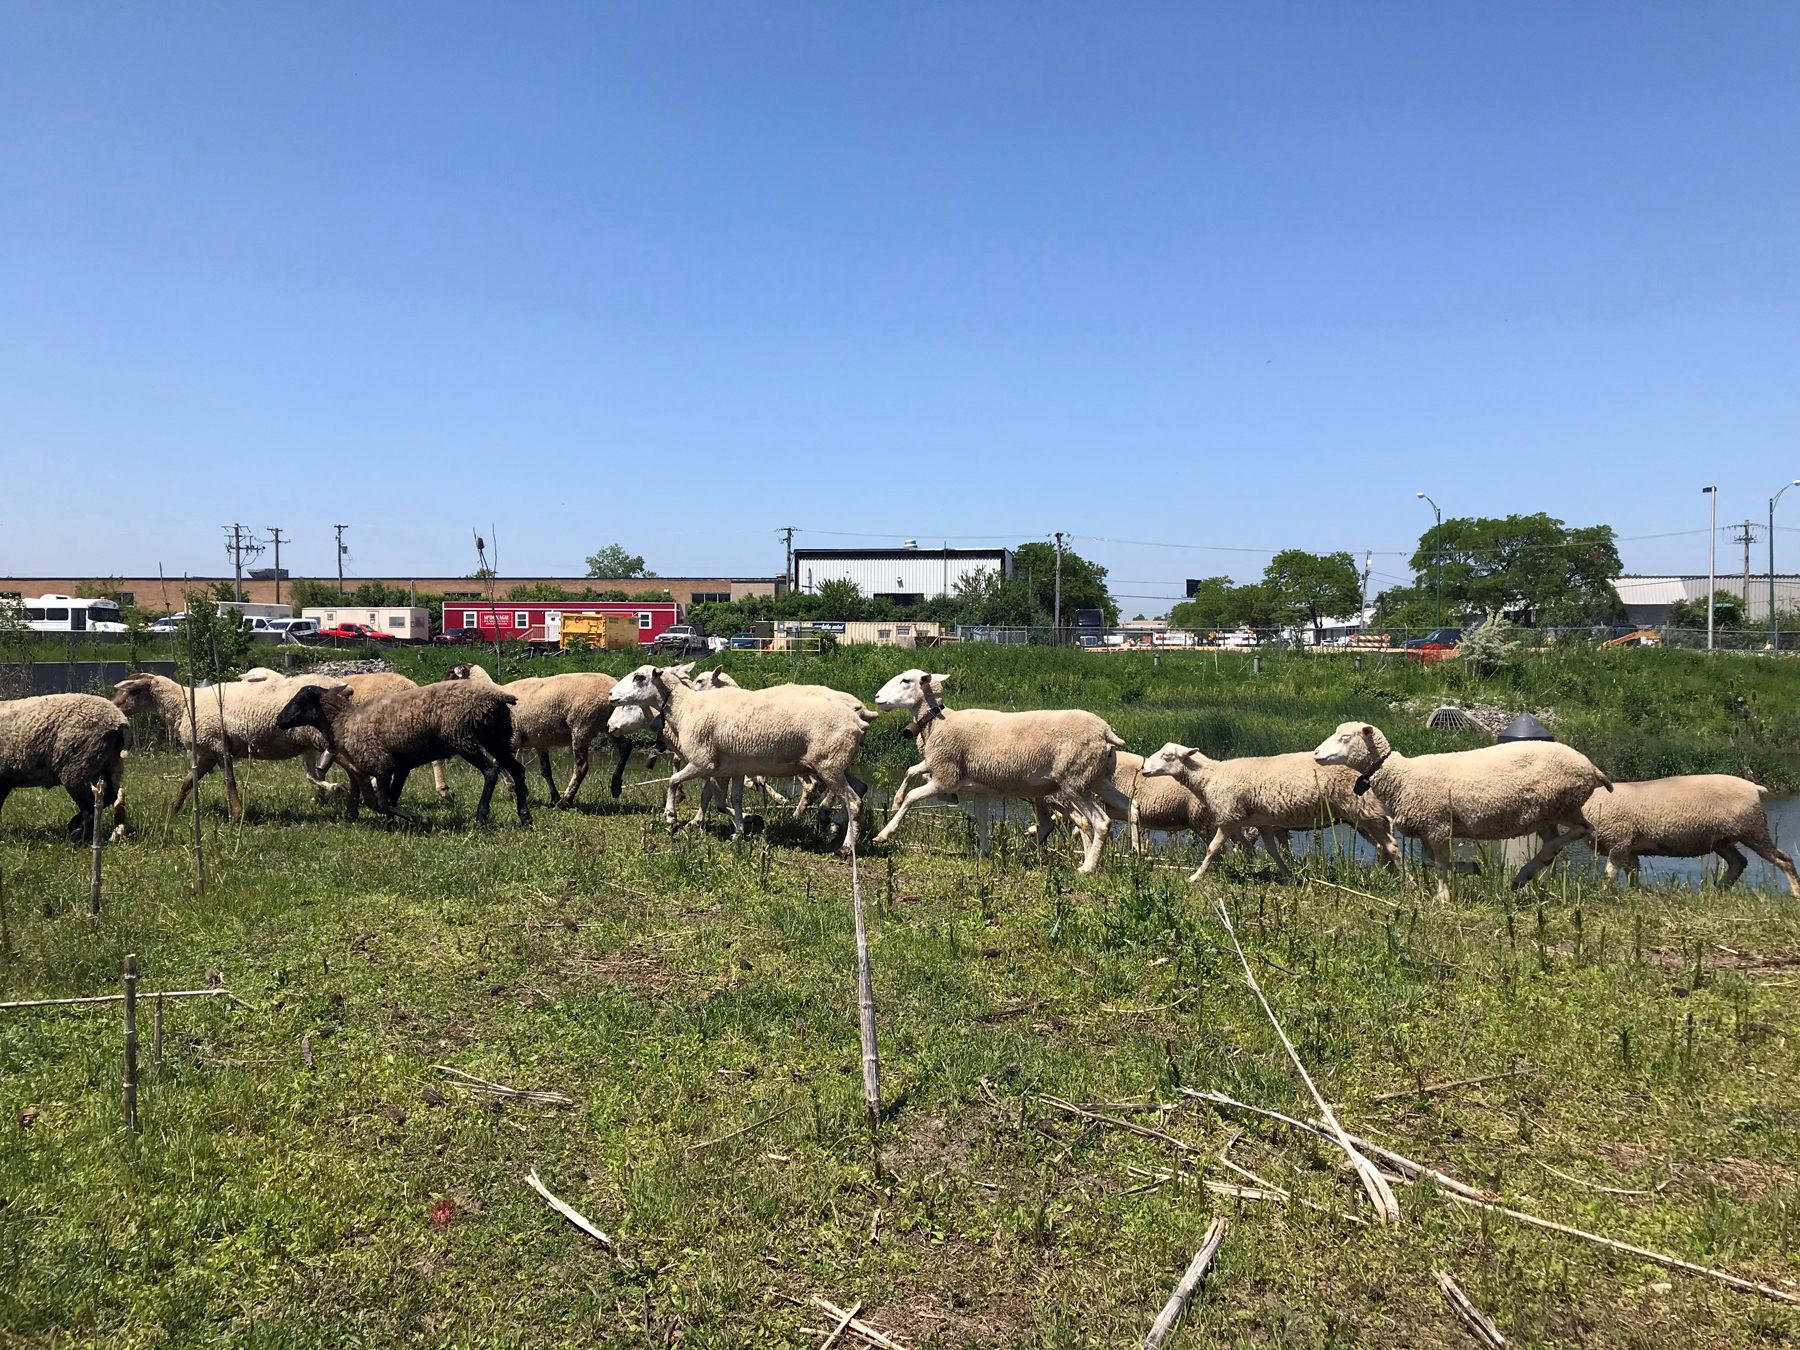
column 903, row 575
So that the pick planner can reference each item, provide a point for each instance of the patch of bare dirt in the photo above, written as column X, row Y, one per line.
column 1717, row 957
column 633, row 966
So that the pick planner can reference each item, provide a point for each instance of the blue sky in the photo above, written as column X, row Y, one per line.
column 1239, row 276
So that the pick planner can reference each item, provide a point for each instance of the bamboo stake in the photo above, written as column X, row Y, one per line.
column 1185, row 1287
column 156, row 1038
column 1381, row 1195
column 1445, row 1087
column 131, row 1036
column 1464, row 1194
column 531, row 1180
column 843, row 1322
column 1480, row 1326
column 1401, row 1164
column 99, row 844
column 1656, row 1258
column 754, row 1125
column 865, row 1012
column 114, row 998
column 194, row 761
column 1129, row 1126
column 470, row 1083
column 860, row 1327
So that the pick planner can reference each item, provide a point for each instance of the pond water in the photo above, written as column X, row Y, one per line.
column 1342, row 842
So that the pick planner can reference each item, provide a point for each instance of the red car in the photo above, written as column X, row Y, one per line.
column 356, row 632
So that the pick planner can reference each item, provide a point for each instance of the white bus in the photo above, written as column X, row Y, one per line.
column 68, row 614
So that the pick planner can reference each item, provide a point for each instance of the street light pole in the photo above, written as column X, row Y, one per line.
column 1437, row 555
column 1775, row 623
column 1712, row 548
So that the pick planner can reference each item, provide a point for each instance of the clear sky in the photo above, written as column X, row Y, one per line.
column 1241, row 276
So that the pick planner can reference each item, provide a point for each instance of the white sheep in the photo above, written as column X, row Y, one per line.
column 69, row 740
column 557, row 711
column 1272, row 794
column 1498, row 792
column 384, row 739
column 735, row 733
column 1157, row 803
column 1684, row 817
column 236, row 721
column 1063, row 756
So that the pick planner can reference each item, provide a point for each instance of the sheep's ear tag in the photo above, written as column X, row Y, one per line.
column 1361, row 785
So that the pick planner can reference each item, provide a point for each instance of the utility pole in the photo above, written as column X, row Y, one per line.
column 240, row 544
column 787, row 532
column 1368, row 566
column 275, row 534
column 340, row 557
column 1056, row 613
column 1712, row 548
column 1746, row 536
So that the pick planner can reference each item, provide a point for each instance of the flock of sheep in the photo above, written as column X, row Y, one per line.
column 1069, row 764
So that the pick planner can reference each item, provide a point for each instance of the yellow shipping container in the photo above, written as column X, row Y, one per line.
column 609, row 632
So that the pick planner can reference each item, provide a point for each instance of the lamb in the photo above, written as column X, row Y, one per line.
column 384, row 739
column 1498, row 792
column 1272, row 794
column 71, row 740
column 734, row 733
column 559, row 710
column 719, row 678
column 1686, row 817
column 1064, row 757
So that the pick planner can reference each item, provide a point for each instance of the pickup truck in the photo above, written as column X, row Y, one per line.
column 680, row 639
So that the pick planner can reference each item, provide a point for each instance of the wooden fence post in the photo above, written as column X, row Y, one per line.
column 131, row 1038
column 99, row 846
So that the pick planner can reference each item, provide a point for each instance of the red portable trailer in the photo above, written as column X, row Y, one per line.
column 540, row 621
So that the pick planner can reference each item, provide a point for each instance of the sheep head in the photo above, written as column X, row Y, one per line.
column 315, row 706
column 1173, row 761
column 1356, row 744
column 133, row 694
column 645, row 687
column 908, row 690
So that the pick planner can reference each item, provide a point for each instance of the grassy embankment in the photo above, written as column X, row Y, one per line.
column 680, row 990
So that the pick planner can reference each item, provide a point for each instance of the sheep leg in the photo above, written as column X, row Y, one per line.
column 1137, row 835
column 81, row 827
column 1438, row 851
column 1383, row 843
column 621, row 752
column 515, row 774
column 233, row 800
column 190, row 781
column 1735, row 862
column 1116, row 802
column 1089, row 810
column 316, row 769
column 385, row 796
column 439, row 779
column 686, row 773
column 580, row 748
column 928, row 788
column 980, row 809
column 845, row 787
column 549, row 777
column 490, row 779
column 1276, row 842
column 737, row 808
column 1213, row 850
column 1547, row 854
column 1778, row 859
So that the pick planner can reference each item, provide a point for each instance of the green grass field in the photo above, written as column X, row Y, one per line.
column 682, row 989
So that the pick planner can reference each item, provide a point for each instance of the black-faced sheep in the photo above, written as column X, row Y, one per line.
column 385, row 739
